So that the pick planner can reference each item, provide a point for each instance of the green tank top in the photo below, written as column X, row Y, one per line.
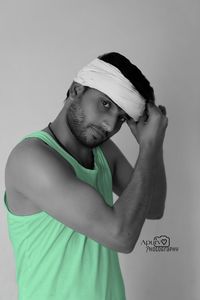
column 55, row 262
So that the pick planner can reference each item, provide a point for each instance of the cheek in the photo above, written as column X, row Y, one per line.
column 91, row 114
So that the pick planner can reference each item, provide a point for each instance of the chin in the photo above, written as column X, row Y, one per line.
column 93, row 143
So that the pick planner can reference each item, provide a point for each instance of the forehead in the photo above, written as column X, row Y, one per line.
column 104, row 96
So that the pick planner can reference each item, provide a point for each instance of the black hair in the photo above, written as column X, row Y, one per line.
column 131, row 72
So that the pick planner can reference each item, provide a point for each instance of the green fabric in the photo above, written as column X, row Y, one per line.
column 55, row 262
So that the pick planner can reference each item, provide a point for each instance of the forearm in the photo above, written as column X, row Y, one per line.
column 133, row 204
column 159, row 189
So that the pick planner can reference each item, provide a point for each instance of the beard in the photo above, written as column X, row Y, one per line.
column 85, row 134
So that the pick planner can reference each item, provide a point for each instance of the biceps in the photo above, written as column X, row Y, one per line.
column 54, row 188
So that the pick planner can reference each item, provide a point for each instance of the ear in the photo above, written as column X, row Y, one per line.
column 75, row 90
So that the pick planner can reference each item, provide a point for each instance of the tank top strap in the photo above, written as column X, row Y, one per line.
column 48, row 139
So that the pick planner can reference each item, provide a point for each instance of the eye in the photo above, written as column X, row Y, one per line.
column 104, row 102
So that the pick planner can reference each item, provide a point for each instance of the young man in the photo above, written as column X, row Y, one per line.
column 63, row 225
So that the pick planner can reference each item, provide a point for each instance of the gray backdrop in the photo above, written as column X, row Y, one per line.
column 43, row 44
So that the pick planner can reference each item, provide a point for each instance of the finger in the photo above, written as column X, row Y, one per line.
column 150, row 108
column 150, row 105
column 163, row 109
column 159, row 109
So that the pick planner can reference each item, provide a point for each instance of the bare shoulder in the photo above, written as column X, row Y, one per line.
column 18, row 202
column 30, row 158
column 28, row 152
column 15, row 157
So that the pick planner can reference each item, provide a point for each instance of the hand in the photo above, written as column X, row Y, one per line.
column 150, row 128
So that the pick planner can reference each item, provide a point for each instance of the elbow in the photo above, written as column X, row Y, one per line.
column 155, row 217
column 158, row 217
column 126, row 245
column 128, row 250
column 124, row 249
column 155, row 214
column 122, row 245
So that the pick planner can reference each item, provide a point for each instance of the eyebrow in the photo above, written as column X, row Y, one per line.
column 118, row 107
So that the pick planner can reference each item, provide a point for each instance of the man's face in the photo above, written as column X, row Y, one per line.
column 93, row 118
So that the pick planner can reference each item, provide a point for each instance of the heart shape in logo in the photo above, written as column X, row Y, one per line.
column 164, row 241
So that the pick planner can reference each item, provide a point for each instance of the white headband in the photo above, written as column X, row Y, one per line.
column 109, row 80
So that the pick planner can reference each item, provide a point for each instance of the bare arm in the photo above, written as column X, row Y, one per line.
column 133, row 204
column 159, row 189
column 122, row 175
column 51, row 184
column 150, row 136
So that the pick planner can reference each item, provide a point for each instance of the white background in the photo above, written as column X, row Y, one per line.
column 43, row 44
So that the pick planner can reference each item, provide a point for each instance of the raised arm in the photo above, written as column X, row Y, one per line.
column 51, row 184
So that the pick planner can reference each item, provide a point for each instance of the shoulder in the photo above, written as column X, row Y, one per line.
column 22, row 150
column 32, row 147
column 26, row 156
